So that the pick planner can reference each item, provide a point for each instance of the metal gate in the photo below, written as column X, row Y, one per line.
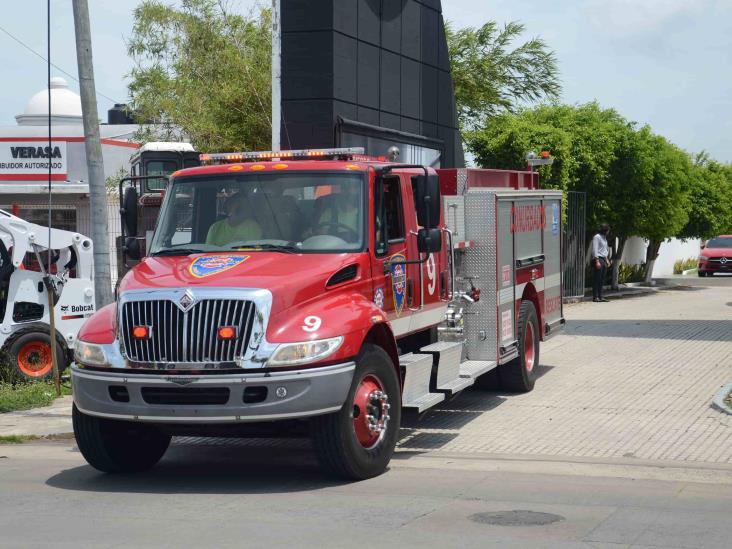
column 573, row 245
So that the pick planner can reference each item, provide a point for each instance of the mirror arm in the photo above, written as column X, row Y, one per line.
column 389, row 264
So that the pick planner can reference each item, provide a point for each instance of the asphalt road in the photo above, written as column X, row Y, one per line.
column 236, row 496
column 617, row 451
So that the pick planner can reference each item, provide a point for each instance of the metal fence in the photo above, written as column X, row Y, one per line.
column 575, row 226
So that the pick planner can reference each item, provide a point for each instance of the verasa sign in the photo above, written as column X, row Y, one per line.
column 28, row 161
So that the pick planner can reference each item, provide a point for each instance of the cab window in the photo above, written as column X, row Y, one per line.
column 389, row 222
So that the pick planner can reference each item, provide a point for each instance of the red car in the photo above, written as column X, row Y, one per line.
column 716, row 256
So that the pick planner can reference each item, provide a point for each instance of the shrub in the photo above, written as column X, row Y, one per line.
column 631, row 273
column 685, row 265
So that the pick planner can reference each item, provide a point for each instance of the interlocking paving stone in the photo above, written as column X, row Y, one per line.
column 632, row 378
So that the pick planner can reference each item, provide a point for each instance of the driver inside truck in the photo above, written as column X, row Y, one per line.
column 239, row 224
column 338, row 213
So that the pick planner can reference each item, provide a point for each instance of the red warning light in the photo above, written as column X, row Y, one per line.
column 141, row 332
column 227, row 332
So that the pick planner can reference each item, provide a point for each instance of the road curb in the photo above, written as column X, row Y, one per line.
column 721, row 396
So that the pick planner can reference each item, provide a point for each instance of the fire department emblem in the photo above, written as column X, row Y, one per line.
column 398, row 282
column 215, row 264
column 379, row 298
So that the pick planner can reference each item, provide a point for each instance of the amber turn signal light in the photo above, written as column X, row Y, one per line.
column 227, row 332
column 141, row 332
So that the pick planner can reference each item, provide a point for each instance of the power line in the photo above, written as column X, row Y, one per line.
column 34, row 52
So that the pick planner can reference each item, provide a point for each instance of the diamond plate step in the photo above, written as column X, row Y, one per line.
column 424, row 402
column 457, row 385
column 474, row 368
column 447, row 357
column 417, row 374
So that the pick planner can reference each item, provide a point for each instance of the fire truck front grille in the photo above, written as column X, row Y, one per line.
column 175, row 336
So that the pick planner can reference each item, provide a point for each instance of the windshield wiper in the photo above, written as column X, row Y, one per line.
column 285, row 248
column 180, row 251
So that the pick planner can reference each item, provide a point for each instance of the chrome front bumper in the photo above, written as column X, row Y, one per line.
column 183, row 398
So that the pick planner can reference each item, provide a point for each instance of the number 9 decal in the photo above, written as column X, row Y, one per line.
column 431, row 274
column 311, row 323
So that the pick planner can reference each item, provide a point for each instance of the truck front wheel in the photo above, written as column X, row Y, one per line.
column 118, row 446
column 519, row 375
column 358, row 441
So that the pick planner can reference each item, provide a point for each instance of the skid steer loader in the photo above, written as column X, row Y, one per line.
column 25, row 275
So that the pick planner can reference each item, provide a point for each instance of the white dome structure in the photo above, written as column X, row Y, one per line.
column 65, row 106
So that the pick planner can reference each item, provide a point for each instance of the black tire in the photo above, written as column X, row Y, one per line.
column 338, row 449
column 16, row 343
column 114, row 446
column 515, row 376
column 701, row 274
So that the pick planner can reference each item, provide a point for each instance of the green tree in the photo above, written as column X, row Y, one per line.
column 659, row 191
column 491, row 76
column 203, row 71
column 584, row 141
column 634, row 180
column 710, row 203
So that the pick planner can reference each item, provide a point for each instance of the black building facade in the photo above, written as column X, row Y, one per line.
column 372, row 73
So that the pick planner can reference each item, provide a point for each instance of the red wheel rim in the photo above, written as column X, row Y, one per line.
column 370, row 412
column 529, row 350
column 34, row 359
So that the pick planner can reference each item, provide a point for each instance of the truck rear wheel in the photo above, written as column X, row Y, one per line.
column 30, row 349
column 519, row 375
column 118, row 446
column 358, row 441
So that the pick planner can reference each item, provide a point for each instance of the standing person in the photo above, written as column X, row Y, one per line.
column 600, row 262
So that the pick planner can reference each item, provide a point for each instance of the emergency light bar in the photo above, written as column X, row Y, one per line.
column 346, row 153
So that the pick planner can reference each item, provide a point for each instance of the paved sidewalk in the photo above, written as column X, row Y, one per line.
column 632, row 378
column 49, row 420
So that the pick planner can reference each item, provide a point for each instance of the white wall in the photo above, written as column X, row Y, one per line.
column 670, row 253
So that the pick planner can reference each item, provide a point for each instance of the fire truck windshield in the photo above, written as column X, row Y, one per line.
column 305, row 212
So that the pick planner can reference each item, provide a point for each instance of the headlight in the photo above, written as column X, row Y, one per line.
column 90, row 354
column 292, row 354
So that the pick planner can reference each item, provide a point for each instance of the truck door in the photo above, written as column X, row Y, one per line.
column 552, row 303
column 391, row 245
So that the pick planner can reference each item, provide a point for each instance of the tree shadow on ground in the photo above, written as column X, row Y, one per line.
column 681, row 329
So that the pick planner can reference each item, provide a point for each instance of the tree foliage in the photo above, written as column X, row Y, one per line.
column 710, row 207
column 635, row 180
column 491, row 76
column 203, row 70
column 584, row 141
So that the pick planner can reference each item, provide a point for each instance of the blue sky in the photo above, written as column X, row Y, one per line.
column 667, row 63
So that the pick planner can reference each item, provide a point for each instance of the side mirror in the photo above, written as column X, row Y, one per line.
column 132, row 248
column 429, row 241
column 129, row 211
column 427, row 200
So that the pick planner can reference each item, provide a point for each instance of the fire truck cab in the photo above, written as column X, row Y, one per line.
column 323, row 290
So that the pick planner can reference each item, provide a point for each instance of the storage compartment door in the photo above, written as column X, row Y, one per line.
column 506, row 276
column 552, row 303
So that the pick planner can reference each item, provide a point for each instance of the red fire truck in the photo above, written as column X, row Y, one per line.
column 322, row 290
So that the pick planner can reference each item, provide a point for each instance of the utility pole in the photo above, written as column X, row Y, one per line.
column 276, row 75
column 94, row 159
